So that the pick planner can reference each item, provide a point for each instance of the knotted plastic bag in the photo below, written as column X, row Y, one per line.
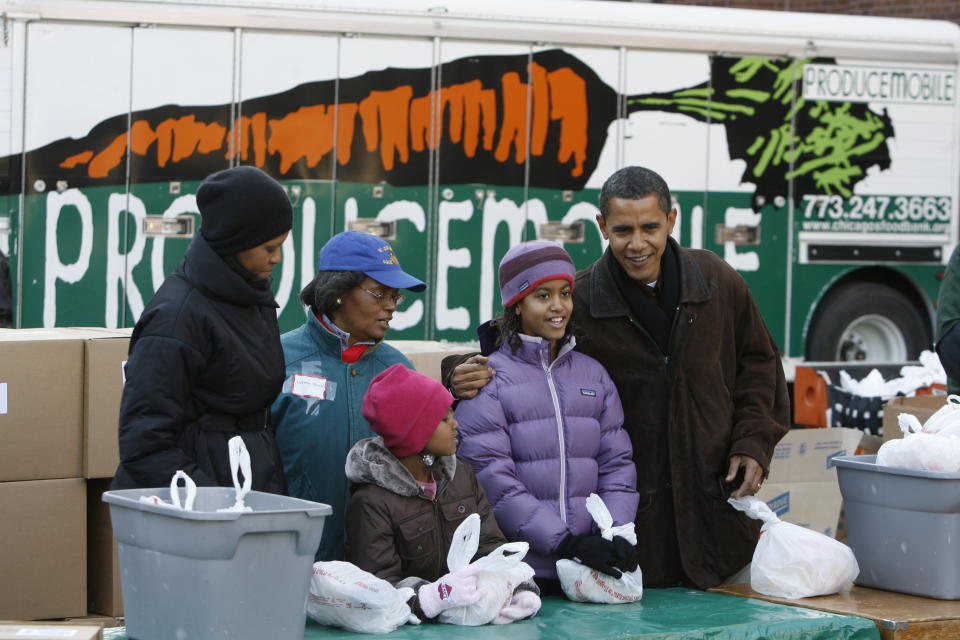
column 793, row 562
column 189, row 486
column 500, row 573
column 239, row 463
column 933, row 446
column 945, row 422
column 580, row 583
column 343, row 595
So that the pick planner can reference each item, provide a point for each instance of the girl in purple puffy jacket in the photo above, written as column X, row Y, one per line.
column 546, row 432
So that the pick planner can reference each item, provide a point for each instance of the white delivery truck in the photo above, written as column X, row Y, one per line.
column 817, row 154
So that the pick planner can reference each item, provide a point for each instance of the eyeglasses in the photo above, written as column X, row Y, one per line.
column 384, row 298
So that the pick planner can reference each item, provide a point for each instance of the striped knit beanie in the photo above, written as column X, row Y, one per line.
column 529, row 264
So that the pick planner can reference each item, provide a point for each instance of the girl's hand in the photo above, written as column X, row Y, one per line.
column 456, row 589
column 523, row 604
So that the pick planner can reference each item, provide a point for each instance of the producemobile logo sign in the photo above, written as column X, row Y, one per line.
column 843, row 83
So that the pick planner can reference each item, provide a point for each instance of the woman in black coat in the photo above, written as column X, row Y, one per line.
column 205, row 359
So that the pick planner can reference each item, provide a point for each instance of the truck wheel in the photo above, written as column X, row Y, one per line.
column 867, row 322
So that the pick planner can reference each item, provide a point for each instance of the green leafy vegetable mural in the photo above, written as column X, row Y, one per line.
column 826, row 147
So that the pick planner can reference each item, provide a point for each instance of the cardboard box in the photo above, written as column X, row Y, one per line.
column 105, row 354
column 426, row 355
column 814, row 505
column 921, row 406
column 93, row 620
column 806, row 455
column 104, row 595
column 41, row 404
column 43, row 558
column 43, row 631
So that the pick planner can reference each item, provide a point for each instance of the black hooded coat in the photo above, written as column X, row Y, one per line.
column 205, row 364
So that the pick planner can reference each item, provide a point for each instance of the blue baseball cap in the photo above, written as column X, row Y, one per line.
column 364, row 252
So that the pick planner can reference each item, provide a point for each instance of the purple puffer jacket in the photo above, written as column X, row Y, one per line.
column 542, row 437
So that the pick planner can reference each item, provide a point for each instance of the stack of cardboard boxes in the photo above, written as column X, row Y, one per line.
column 59, row 391
column 802, row 486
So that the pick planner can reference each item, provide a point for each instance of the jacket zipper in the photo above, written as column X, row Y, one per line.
column 665, row 359
column 442, row 534
column 441, row 525
column 563, row 450
column 439, row 530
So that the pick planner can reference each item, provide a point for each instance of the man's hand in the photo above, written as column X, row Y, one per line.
column 752, row 475
column 469, row 377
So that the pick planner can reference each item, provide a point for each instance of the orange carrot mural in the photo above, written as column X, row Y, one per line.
column 538, row 108
column 492, row 119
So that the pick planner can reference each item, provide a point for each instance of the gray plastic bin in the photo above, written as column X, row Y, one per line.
column 200, row 575
column 903, row 526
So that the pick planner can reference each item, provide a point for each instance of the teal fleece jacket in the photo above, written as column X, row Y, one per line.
column 317, row 418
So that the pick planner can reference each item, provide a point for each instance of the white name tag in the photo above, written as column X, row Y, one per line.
column 307, row 386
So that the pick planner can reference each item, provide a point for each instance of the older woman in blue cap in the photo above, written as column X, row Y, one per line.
column 330, row 361
column 205, row 359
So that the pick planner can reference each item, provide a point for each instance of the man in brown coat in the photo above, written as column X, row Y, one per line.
column 699, row 376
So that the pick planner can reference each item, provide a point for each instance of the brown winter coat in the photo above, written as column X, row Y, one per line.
column 720, row 391
column 396, row 533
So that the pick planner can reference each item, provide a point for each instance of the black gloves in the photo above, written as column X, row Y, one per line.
column 597, row 553
column 627, row 558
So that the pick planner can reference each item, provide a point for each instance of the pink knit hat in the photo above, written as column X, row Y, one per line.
column 529, row 264
column 405, row 407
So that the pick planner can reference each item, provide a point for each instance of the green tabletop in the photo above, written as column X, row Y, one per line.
column 663, row 614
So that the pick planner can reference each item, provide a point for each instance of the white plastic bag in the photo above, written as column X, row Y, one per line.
column 921, row 452
column 239, row 463
column 793, row 562
column 500, row 572
column 945, row 422
column 933, row 446
column 580, row 583
column 343, row 595
column 189, row 486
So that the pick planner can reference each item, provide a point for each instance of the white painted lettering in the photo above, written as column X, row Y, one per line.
column 308, row 255
column 412, row 211
column 288, row 265
column 55, row 269
column 120, row 265
column 696, row 227
column 447, row 258
column 747, row 260
column 182, row 205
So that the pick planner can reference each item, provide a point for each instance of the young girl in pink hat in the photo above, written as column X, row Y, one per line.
column 410, row 493
column 546, row 432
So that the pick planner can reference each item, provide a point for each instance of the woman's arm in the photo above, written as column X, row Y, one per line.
column 160, row 374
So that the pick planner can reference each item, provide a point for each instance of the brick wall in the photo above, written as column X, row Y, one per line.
column 931, row 9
